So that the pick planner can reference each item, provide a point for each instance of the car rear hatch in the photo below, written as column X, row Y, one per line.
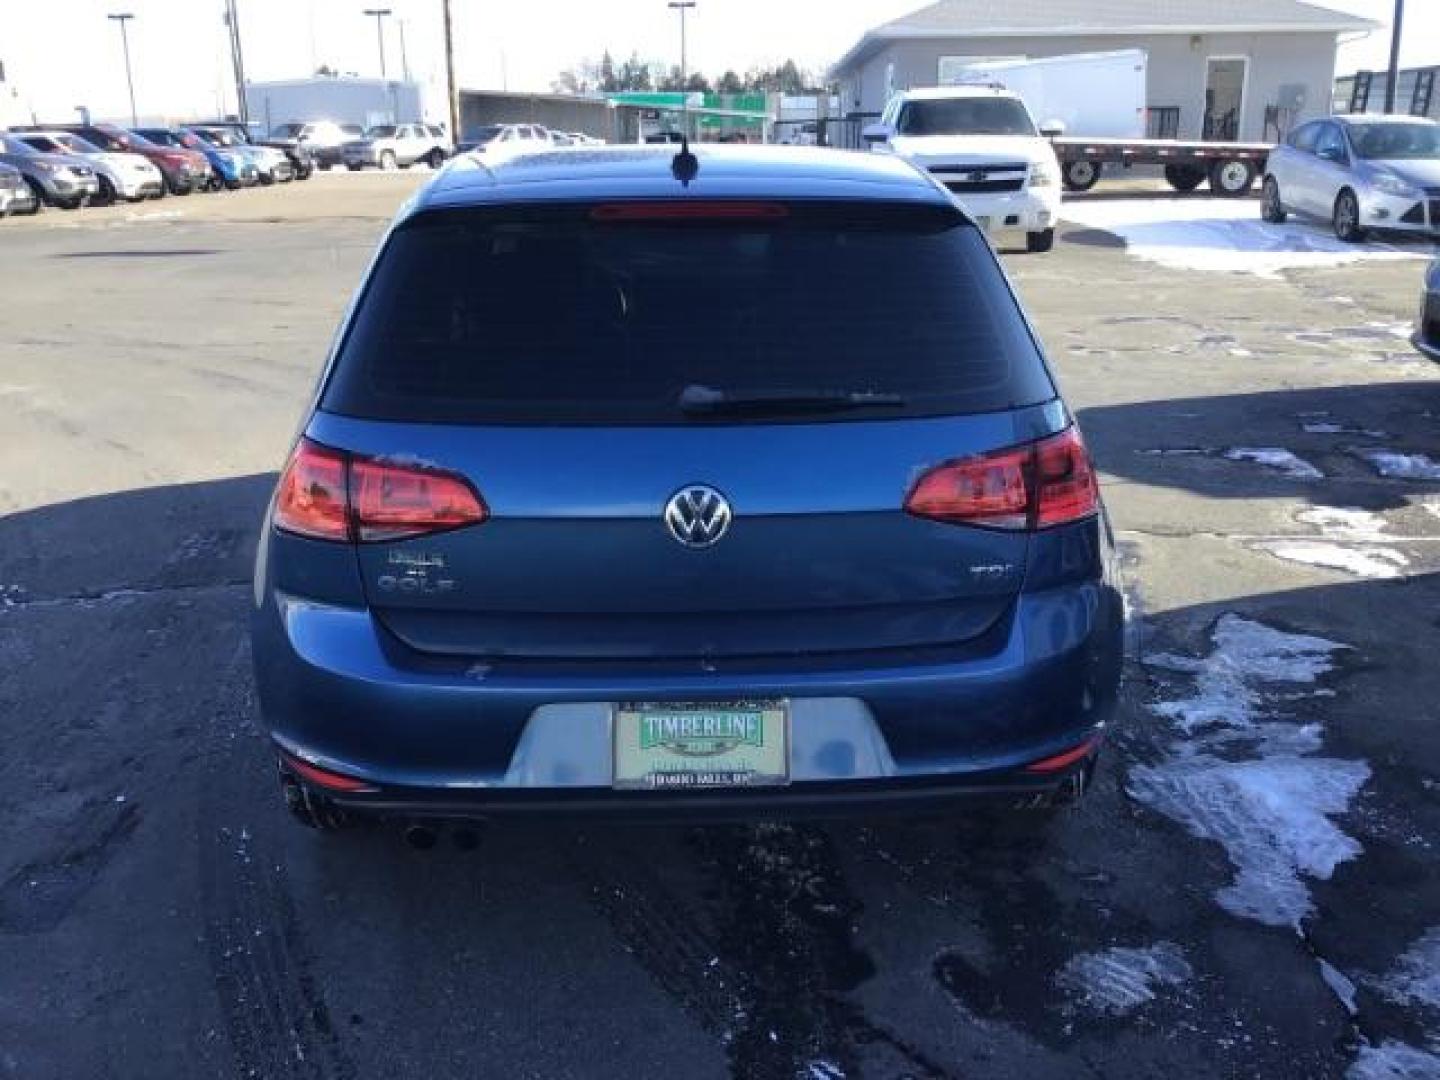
column 684, row 437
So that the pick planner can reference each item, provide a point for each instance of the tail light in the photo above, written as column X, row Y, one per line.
column 1047, row 483
column 328, row 494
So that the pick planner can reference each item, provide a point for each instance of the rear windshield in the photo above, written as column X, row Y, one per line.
column 965, row 116
column 546, row 316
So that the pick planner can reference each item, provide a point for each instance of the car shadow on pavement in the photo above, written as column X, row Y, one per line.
column 1353, row 436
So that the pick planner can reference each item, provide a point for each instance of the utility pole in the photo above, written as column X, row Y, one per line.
column 682, row 6
column 122, row 18
column 237, row 60
column 454, row 97
column 404, row 56
column 379, row 15
column 1394, row 76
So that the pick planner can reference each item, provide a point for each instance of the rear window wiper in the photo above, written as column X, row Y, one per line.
column 707, row 401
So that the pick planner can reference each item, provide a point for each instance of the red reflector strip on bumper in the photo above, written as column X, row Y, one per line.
column 325, row 779
column 1065, row 760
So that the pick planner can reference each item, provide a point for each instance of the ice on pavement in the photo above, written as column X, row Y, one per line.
column 1400, row 466
column 1220, row 235
column 1246, row 779
column 1119, row 980
column 1275, row 457
column 1393, row 1060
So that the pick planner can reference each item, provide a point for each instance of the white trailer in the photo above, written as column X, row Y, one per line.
column 1098, row 95
column 1100, row 98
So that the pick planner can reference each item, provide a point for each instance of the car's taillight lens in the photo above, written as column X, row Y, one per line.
column 312, row 500
column 326, row 494
column 396, row 501
column 1046, row 483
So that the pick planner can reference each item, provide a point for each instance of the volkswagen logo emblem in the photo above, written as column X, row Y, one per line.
column 697, row 516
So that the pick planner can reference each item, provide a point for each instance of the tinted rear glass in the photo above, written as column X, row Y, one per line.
column 544, row 315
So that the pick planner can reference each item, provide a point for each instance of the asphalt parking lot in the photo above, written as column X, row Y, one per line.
column 1253, row 888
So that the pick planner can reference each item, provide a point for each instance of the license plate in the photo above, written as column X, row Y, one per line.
column 683, row 746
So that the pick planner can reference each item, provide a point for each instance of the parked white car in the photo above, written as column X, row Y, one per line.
column 982, row 144
column 121, row 176
column 1358, row 172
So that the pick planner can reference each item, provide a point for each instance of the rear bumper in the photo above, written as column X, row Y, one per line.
column 450, row 739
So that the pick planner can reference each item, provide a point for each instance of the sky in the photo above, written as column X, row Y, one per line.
column 59, row 54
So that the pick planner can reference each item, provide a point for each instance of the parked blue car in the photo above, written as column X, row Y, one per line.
column 720, row 484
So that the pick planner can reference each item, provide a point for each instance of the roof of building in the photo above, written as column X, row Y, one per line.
column 1058, row 18
column 645, row 172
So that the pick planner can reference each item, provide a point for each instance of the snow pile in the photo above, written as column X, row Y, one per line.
column 1250, row 781
column 1220, row 235
column 1119, row 980
column 1400, row 466
column 1275, row 457
column 1414, row 981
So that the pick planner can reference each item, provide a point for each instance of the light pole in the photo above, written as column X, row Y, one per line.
column 1394, row 73
column 682, row 6
column 404, row 56
column 122, row 18
column 379, row 16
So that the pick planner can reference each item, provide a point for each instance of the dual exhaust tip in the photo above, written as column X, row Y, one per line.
column 424, row 835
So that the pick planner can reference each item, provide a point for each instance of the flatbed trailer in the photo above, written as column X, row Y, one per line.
column 1231, row 167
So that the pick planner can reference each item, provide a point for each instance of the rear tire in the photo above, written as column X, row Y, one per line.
column 39, row 200
column 1346, row 217
column 1232, row 178
column 1039, row 242
column 354, row 168
column 108, row 196
column 388, row 161
column 437, row 158
column 1184, row 178
column 1080, row 175
column 1272, row 209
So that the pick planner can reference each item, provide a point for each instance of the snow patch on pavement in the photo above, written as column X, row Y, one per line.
column 1415, row 978
column 1346, row 523
column 1375, row 563
column 1400, row 466
column 1120, row 980
column 1248, row 780
column 1340, row 984
column 1220, row 236
column 1275, row 457
column 1393, row 1060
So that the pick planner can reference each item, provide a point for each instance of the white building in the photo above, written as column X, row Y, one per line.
column 344, row 99
column 1221, row 69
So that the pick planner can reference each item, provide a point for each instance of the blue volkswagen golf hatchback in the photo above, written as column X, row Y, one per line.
column 726, row 483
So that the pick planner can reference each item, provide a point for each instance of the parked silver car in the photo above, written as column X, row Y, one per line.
column 389, row 146
column 1358, row 172
column 63, row 180
column 122, row 176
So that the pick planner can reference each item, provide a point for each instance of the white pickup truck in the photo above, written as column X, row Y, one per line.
column 983, row 145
